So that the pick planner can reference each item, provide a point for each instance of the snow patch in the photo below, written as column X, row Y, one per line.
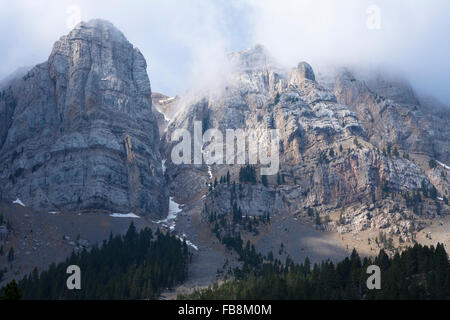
column 163, row 166
column 209, row 172
column 189, row 243
column 124, row 215
column 174, row 209
column 162, row 101
column 165, row 118
column 170, row 221
column 443, row 165
column 19, row 202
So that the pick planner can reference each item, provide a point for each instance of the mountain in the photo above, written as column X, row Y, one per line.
column 352, row 150
column 363, row 159
column 392, row 113
column 78, row 132
column 7, row 81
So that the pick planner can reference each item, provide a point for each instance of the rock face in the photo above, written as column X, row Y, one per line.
column 78, row 133
column 330, row 140
column 391, row 113
column 303, row 71
column 323, row 147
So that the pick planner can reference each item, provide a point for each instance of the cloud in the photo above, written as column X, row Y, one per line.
column 74, row 16
column 185, row 42
column 406, row 37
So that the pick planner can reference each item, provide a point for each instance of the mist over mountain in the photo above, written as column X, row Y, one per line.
column 178, row 38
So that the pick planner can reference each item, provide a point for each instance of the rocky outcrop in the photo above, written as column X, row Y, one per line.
column 303, row 71
column 392, row 114
column 78, row 132
column 164, row 108
column 324, row 148
column 331, row 143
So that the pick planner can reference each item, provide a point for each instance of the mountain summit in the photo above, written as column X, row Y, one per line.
column 78, row 131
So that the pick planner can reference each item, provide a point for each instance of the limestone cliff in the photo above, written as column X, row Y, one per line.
column 77, row 131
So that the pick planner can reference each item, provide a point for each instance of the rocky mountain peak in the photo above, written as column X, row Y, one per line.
column 100, row 48
column 255, row 57
column 79, row 132
column 302, row 72
column 306, row 71
column 103, row 30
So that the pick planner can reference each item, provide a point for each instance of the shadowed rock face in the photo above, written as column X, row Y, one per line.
column 305, row 71
column 78, row 132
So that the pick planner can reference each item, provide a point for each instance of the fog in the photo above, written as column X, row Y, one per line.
column 185, row 42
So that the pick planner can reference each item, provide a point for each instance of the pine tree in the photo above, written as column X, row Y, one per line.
column 264, row 180
column 432, row 164
column 389, row 149
column 317, row 219
column 395, row 152
column 11, row 291
column 247, row 174
column 11, row 254
column 433, row 192
column 331, row 153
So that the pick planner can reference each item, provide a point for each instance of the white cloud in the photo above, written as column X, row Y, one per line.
column 185, row 42
column 408, row 38
column 73, row 16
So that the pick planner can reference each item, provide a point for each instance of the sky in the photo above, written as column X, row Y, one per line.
column 185, row 41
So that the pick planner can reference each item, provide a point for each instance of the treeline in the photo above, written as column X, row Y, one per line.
column 419, row 272
column 5, row 230
column 415, row 199
column 138, row 265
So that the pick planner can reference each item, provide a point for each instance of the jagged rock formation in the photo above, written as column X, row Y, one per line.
column 77, row 131
column 392, row 114
column 330, row 142
column 303, row 71
column 394, row 117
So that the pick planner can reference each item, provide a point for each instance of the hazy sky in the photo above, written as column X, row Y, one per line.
column 184, row 41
